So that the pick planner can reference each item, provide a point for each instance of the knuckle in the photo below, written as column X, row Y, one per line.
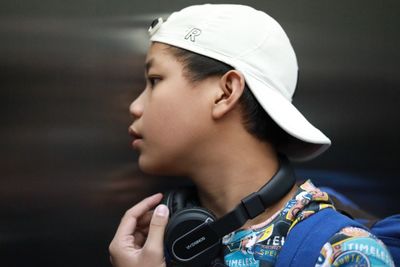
column 129, row 214
column 112, row 248
column 158, row 222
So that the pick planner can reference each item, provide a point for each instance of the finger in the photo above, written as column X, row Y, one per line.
column 129, row 221
column 144, row 220
column 140, row 238
column 158, row 222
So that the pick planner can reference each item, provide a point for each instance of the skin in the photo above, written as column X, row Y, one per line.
column 195, row 130
column 139, row 236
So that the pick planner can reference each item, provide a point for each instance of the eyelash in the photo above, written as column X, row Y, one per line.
column 152, row 81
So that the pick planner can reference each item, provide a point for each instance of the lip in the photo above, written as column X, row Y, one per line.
column 137, row 138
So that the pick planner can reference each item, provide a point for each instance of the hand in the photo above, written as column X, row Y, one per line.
column 138, row 241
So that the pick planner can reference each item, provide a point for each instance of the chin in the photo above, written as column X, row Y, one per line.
column 153, row 167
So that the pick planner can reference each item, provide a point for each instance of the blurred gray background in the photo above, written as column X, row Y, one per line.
column 69, row 69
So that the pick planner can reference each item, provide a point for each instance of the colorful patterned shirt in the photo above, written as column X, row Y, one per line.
column 259, row 245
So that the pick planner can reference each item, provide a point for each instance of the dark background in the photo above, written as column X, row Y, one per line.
column 69, row 69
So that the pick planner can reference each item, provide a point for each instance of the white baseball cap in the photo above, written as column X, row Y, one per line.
column 255, row 44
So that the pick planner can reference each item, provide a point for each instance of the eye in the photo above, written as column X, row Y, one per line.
column 154, row 80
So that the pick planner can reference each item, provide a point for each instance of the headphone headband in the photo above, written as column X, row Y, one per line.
column 257, row 202
column 193, row 235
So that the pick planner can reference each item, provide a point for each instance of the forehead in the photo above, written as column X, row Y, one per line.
column 159, row 56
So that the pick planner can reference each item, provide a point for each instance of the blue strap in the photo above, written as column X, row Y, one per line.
column 304, row 242
column 388, row 230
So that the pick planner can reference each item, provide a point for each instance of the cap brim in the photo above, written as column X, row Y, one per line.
column 309, row 142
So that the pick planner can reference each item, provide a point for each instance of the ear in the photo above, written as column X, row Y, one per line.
column 231, row 87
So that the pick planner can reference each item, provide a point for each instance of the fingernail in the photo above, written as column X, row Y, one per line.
column 161, row 210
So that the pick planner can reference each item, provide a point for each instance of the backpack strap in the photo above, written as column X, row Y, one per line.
column 388, row 230
column 347, row 207
column 305, row 241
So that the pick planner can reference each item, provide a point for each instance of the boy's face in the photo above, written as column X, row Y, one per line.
column 171, row 116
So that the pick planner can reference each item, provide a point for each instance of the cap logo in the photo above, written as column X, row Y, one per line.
column 155, row 25
column 192, row 34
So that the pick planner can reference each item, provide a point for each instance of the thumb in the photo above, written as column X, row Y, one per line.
column 158, row 223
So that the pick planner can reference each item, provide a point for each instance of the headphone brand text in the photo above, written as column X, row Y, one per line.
column 195, row 243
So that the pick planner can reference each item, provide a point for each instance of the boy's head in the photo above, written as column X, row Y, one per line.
column 212, row 39
column 256, row 121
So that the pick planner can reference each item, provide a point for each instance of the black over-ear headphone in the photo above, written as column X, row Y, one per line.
column 193, row 234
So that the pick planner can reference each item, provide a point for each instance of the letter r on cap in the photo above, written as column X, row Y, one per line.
column 192, row 34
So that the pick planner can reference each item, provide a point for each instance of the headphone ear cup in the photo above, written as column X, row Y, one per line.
column 183, row 222
column 179, row 199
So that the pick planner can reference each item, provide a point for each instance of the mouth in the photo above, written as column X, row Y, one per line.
column 137, row 138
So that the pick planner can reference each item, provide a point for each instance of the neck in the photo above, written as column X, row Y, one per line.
column 241, row 170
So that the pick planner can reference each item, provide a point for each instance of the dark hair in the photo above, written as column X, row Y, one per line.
column 256, row 120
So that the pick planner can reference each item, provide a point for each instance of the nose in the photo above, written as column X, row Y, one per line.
column 136, row 107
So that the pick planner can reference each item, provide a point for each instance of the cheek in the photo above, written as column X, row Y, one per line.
column 172, row 123
column 175, row 124
column 171, row 139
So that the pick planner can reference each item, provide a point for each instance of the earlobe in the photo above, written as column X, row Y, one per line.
column 231, row 86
